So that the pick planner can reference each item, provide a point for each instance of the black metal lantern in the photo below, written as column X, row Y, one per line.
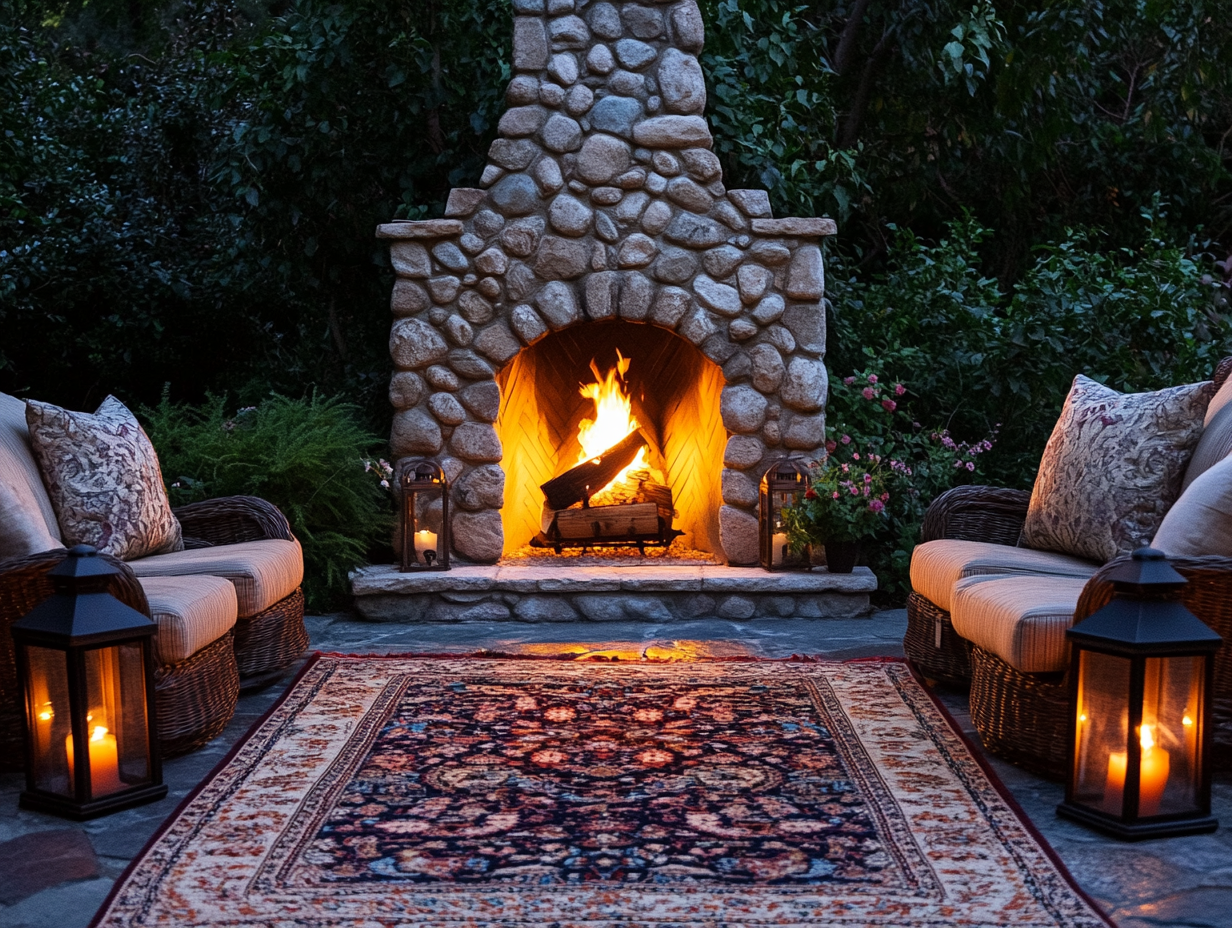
column 783, row 485
column 86, row 664
column 1140, row 715
column 425, row 517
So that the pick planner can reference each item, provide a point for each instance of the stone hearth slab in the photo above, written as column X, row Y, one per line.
column 651, row 593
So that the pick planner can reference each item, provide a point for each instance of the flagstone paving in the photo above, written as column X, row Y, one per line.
column 55, row 873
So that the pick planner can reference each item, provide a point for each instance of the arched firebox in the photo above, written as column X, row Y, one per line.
column 674, row 393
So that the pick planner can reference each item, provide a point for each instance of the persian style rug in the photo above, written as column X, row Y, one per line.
column 477, row 793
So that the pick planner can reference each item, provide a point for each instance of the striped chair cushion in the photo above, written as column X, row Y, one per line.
column 29, row 526
column 263, row 572
column 1022, row 620
column 937, row 565
column 190, row 612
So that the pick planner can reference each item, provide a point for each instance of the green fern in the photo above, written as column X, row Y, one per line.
column 310, row 457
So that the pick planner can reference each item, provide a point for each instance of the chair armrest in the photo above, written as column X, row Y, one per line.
column 971, row 513
column 24, row 584
column 229, row 520
column 1208, row 594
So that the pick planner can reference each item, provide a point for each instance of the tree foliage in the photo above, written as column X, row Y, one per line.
column 189, row 188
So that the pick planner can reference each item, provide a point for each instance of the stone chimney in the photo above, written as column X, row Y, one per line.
column 602, row 200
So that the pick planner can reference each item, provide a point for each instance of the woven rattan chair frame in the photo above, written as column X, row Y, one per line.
column 196, row 697
column 973, row 513
column 1022, row 717
column 268, row 643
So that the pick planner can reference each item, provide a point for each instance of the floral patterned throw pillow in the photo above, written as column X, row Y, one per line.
column 103, row 478
column 1113, row 468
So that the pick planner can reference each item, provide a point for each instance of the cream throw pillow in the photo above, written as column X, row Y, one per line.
column 103, row 478
column 1201, row 521
column 1216, row 441
column 1113, row 468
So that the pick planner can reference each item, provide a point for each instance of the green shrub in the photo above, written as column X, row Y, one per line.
column 976, row 355
column 309, row 457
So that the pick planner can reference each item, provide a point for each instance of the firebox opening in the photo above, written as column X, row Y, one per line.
column 675, row 392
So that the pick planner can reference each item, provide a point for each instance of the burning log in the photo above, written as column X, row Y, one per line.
column 579, row 483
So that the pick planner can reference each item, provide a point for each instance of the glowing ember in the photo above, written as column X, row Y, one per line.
column 613, row 419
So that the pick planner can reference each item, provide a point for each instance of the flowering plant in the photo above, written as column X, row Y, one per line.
column 874, row 442
column 846, row 501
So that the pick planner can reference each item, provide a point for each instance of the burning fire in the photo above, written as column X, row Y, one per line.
column 613, row 419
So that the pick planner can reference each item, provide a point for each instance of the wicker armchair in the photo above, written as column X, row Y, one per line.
column 1022, row 717
column 267, row 643
column 972, row 513
column 195, row 698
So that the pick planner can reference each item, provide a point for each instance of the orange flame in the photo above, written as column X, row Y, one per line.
column 613, row 419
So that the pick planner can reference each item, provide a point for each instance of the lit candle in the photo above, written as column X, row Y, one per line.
column 1152, row 778
column 425, row 541
column 104, row 761
column 778, row 548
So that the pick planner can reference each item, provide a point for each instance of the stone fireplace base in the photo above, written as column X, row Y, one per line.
column 519, row 593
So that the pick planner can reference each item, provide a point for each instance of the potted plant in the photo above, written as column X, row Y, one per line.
column 844, row 505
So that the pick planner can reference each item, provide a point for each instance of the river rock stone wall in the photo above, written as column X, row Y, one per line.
column 602, row 199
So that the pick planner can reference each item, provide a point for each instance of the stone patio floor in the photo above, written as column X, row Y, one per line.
column 55, row 873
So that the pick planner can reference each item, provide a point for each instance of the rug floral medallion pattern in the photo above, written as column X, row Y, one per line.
column 463, row 792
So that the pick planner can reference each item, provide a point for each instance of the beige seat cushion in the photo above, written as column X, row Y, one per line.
column 263, row 571
column 1112, row 468
column 937, row 565
column 1216, row 441
column 1022, row 620
column 1200, row 522
column 29, row 522
column 190, row 612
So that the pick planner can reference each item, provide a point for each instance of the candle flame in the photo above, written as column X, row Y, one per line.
column 1187, row 721
column 1146, row 738
column 98, row 734
column 613, row 420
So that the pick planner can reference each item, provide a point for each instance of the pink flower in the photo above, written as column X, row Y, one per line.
column 885, row 496
column 836, row 494
column 868, row 478
column 855, row 491
column 848, row 381
column 846, row 439
column 872, row 378
column 869, row 393
column 971, row 465
column 845, row 468
column 889, row 405
column 876, row 505
column 831, row 446
column 899, row 389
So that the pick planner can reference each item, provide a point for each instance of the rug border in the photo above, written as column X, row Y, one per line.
column 974, row 750
column 977, row 752
column 193, row 793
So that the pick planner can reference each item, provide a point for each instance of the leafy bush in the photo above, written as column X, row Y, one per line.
column 976, row 355
column 309, row 457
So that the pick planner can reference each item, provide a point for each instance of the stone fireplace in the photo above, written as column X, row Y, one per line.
column 602, row 225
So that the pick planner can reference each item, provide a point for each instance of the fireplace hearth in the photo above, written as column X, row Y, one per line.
column 602, row 239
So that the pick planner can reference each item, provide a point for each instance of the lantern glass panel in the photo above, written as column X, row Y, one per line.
column 427, row 536
column 51, row 717
column 116, row 726
column 1167, row 739
column 1172, row 723
column 1102, row 722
